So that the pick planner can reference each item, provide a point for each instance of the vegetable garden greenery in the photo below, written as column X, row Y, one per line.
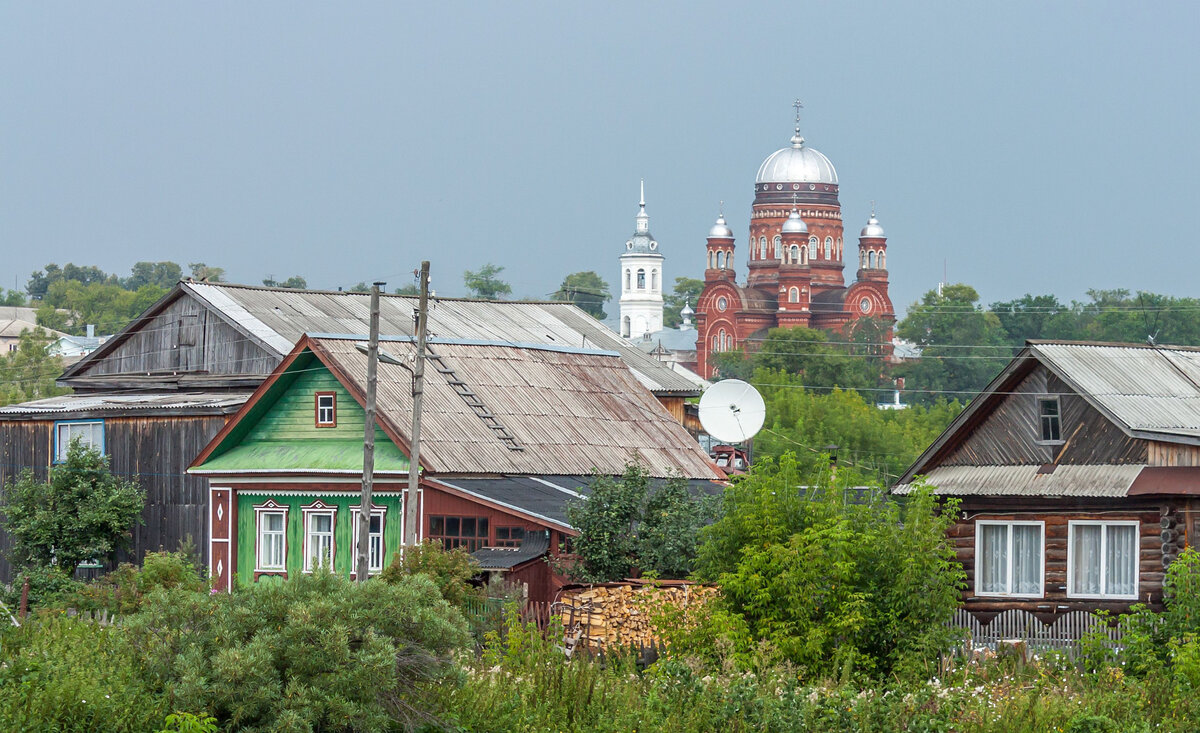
column 832, row 618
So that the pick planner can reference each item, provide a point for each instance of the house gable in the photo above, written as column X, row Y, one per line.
column 277, row 430
column 1009, row 433
column 178, row 342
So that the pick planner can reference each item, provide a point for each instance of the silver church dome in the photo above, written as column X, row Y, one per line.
column 794, row 224
column 872, row 229
column 796, row 164
column 720, row 230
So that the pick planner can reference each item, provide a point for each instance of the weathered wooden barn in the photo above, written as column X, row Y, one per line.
column 1078, row 472
column 511, row 432
column 155, row 394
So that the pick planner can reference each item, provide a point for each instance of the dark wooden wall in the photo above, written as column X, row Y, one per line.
column 154, row 451
column 185, row 337
column 1009, row 435
column 1056, row 514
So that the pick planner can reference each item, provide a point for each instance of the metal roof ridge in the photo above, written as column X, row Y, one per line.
column 360, row 293
column 469, row 342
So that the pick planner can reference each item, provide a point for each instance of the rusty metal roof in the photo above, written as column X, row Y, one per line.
column 278, row 317
column 1065, row 480
column 564, row 410
column 1152, row 392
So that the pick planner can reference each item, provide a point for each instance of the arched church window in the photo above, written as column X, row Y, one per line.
column 795, row 253
column 729, row 259
column 627, row 276
column 829, row 248
column 720, row 260
column 778, row 247
column 762, row 248
column 716, row 344
column 794, row 295
column 882, row 260
column 812, row 248
column 654, row 279
column 641, row 279
column 871, row 259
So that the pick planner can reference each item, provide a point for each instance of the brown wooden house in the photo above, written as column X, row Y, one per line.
column 1078, row 472
column 153, row 395
column 510, row 433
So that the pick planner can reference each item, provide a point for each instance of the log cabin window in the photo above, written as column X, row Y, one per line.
column 319, row 547
column 1051, row 423
column 1009, row 558
column 509, row 536
column 470, row 533
column 270, row 554
column 375, row 546
column 326, row 409
column 1102, row 559
column 90, row 434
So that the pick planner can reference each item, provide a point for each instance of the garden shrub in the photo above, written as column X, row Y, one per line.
column 834, row 586
column 314, row 652
column 122, row 591
column 450, row 570
column 48, row 586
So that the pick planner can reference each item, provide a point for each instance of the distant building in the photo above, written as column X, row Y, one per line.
column 641, row 280
column 73, row 348
column 795, row 261
column 14, row 320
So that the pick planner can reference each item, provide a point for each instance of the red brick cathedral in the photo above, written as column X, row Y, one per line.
column 795, row 262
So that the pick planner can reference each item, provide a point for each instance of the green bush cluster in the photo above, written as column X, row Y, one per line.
column 829, row 577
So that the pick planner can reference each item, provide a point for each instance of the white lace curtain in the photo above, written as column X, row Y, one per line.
column 1010, row 558
column 1104, row 559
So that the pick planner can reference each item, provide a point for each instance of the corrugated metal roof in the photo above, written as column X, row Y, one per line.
column 217, row 402
column 534, row 545
column 570, row 413
column 1065, row 480
column 1152, row 389
column 278, row 317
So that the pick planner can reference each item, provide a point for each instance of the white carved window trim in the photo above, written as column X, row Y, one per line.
column 318, row 509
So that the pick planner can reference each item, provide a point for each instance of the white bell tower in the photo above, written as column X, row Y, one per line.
column 641, row 279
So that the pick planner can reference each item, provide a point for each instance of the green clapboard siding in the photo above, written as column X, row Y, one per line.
column 283, row 436
column 343, row 533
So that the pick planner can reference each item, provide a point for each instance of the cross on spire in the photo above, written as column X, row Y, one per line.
column 799, row 106
column 872, row 208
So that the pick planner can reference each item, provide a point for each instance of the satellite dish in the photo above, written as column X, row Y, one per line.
column 732, row 411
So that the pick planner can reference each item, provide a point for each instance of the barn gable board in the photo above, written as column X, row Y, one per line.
column 183, row 335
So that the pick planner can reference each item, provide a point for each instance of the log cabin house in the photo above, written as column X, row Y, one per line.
column 154, row 395
column 510, row 435
column 1078, row 472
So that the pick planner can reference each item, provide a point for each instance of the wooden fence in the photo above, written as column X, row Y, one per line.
column 1017, row 625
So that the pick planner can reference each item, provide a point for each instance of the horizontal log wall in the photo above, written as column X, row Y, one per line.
column 1055, row 601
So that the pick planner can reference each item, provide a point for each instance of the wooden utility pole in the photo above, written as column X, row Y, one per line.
column 412, row 515
column 362, row 567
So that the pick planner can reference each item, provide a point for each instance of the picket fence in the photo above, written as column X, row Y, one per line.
column 1062, row 635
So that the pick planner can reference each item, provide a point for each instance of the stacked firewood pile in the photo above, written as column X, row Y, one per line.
column 630, row 614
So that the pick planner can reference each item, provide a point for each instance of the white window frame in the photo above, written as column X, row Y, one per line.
column 1104, row 524
column 331, row 409
column 260, row 511
column 376, row 511
column 62, row 446
column 319, row 508
column 1010, row 523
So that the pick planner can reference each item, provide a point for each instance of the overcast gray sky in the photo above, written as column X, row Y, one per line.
column 1032, row 146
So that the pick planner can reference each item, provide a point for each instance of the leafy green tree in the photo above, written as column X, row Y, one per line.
column 106, row 305
column 201, row 271
column 360, row 287
column 295, row 282
column 161, row 274
column 450, row 570
column 687, row 291
column 1034, row 317
column 41, row 280
column 83, row 512
column 13, row 298
column 962, row 346
column 623, row 524
column 484, row 283
column 586, row 290
column 807, row 352
column 410, row 289
column 858, row 587
column 28, row 373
